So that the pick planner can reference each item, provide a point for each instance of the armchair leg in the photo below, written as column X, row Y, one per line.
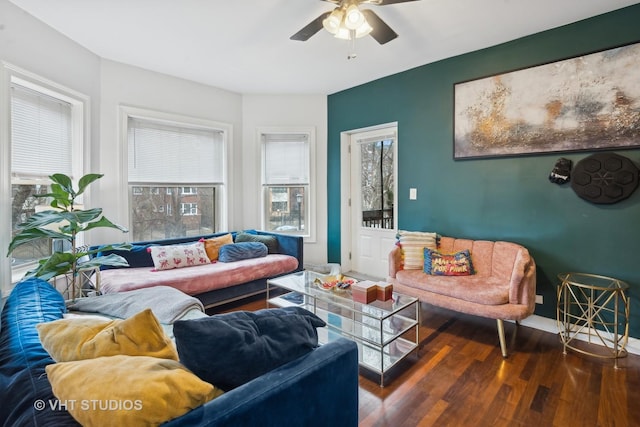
column 503, row 343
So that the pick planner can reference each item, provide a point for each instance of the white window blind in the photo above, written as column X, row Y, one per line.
column 40, row 134
column 161, row 152
column 286, row 159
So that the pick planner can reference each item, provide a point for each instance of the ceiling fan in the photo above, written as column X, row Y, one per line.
column 347, row 21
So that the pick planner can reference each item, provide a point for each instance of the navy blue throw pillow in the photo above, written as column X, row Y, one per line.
column 138, row 256
column 228, row 350
column 239, row 251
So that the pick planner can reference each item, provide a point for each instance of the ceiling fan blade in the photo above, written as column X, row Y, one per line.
column 381, row 31
column 312, row 28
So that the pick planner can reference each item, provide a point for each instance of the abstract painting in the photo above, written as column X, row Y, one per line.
column 590, row 102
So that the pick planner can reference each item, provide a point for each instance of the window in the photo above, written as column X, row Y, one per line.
column 189, row 208
column 377, row 182
column 286, row 180
column 179, row 163
column 45, row 134
column 280, row 199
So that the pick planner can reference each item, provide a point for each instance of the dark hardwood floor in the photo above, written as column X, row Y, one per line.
column 460, row 378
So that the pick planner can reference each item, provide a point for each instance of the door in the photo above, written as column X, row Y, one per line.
column 373, row 200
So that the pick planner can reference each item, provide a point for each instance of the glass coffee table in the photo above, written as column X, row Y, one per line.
column 383, row 330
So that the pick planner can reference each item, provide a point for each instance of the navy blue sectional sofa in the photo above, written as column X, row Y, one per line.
column 317, row 389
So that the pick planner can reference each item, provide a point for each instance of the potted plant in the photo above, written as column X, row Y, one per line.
column 65, row 221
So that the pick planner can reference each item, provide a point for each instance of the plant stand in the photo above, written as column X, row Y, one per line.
column 87, row 284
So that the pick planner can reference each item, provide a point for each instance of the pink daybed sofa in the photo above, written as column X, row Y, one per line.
column 503, row 287
column 213, row 284
column 198, row 279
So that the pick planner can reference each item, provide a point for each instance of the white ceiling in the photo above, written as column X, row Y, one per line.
column 244, row 46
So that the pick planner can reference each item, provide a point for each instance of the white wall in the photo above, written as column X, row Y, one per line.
column 126, row 85
column 282, row 111
column 28, row 43
column 34, row 46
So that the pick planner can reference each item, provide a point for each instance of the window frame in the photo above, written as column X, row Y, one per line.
column 80, row 143
column 223, row 190
column 309, row 233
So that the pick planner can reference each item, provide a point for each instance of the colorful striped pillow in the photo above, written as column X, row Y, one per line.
column 412, row 244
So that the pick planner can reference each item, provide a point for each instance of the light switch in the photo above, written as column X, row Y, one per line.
column 413, row 194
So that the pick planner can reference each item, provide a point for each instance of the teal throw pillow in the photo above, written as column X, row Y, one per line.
column 270, row 241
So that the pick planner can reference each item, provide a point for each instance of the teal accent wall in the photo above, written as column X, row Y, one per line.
column 500, row 198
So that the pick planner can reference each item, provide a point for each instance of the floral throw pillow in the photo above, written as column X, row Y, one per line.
column 457, row 264
column 178, row 256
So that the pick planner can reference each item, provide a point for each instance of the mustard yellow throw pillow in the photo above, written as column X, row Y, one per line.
column 77, row 338
column 212, row 245
column 125, row 391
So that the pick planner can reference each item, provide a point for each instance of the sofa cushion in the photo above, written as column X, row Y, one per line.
column 439, row 264
column 197, row 280
column 212, row 245
column 412, row 244
column 509, row 261
column 231, row 349
column 242, row 250
column 23, row 359
column 127, row 390
column 251, row 236
column 87, row 338
column 495, row 259
column 167, row 257
column 477, row 289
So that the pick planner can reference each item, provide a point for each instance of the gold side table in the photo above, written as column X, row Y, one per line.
column 593, row 308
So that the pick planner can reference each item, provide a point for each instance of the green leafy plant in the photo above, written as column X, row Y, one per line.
column 64, row 221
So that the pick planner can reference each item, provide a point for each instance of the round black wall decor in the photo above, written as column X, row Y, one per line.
column 604, row 178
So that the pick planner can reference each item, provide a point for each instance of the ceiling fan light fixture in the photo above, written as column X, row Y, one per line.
column 332, row 23
column 345, row 33
column 348, row 21
column 353, row 18
column 363, row 30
